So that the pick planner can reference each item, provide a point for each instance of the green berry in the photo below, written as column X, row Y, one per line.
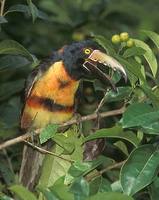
column 130, row 43
column 124, row 36
column 77, row 36
column 116, row 39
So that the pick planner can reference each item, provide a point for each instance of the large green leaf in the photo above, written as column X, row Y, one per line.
column 9, row 88
column 132, row 67
column 139, row 115
column 153, row 36
column 12, row 62
column 149, row 55
column 114, row 132
column 54, row 167
column 48, row 194
column 151, row 95
column 80, row 187
column 22, row 192
column 106, row 44
column 134, row 51
column 14, row 48
column 140, row 169
column 4, row 197
column 154, row 189
column 27, row 10
column 110, row 196
column 99, row 184
column 61, row 190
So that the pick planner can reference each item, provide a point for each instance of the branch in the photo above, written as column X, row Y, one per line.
column 2, row 7
column 28, row 135
column 99, row 173
column 44, row 151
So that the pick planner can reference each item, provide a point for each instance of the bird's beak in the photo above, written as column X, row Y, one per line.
column 96, row 57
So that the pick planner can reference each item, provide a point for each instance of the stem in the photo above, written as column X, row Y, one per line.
column 70, row 122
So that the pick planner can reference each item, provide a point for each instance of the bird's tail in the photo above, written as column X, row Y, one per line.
column 30, row 167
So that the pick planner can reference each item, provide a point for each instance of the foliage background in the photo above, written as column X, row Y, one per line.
column 47, row 25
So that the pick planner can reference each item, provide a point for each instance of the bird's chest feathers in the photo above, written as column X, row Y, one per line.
column 57, row 85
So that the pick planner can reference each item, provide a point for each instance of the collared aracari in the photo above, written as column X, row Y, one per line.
column 51, row 88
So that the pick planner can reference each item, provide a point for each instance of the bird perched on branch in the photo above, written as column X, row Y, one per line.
column 51, row 89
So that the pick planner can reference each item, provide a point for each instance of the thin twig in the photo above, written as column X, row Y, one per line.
column 99, row 173
column 44, row 151
column 8, row 160
column 2, row 7
column 101, row 103
column 70, row 122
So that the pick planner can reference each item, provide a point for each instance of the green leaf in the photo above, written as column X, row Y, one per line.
column 25, row 9
column 116, row 186
column 9, row 116
column 149, row 55
column 19, row 8
column 134, row 51
column 140, row 169
column 6, row 173
column 48, row 132
column 121, row 94
column 133, row 68
column 153, row 36
column 114, row 132
column 4, row 197
column 49, row 175
column 151, row 128
column 22, row 192
column 150, row 94
column 60, row 15
column 106, row 44
column 122, row 146
column 80, row 187
column 3, row 20
column 9, row 88
column 83, row 168
column 49, row 195
column 110, row 196
column 33, row 10
column 71, row 143
column 12, row 62
column 14, row 48
column 139, row 115
column 154, row 189
column 65, row 143
column 61, row 190
column 99, row 184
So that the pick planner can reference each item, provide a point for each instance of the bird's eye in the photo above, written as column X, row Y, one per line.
column 87, row 51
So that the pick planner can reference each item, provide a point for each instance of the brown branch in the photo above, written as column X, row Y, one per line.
column 99, row 173
column 70, row 122
column 44, row 151
column 2, row 7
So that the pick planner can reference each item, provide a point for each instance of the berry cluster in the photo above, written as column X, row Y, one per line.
column 122, row 37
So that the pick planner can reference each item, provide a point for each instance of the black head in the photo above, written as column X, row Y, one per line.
column 81, row 58
column 74, row 56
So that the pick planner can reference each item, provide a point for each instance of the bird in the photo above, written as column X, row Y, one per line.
column 51, row 89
